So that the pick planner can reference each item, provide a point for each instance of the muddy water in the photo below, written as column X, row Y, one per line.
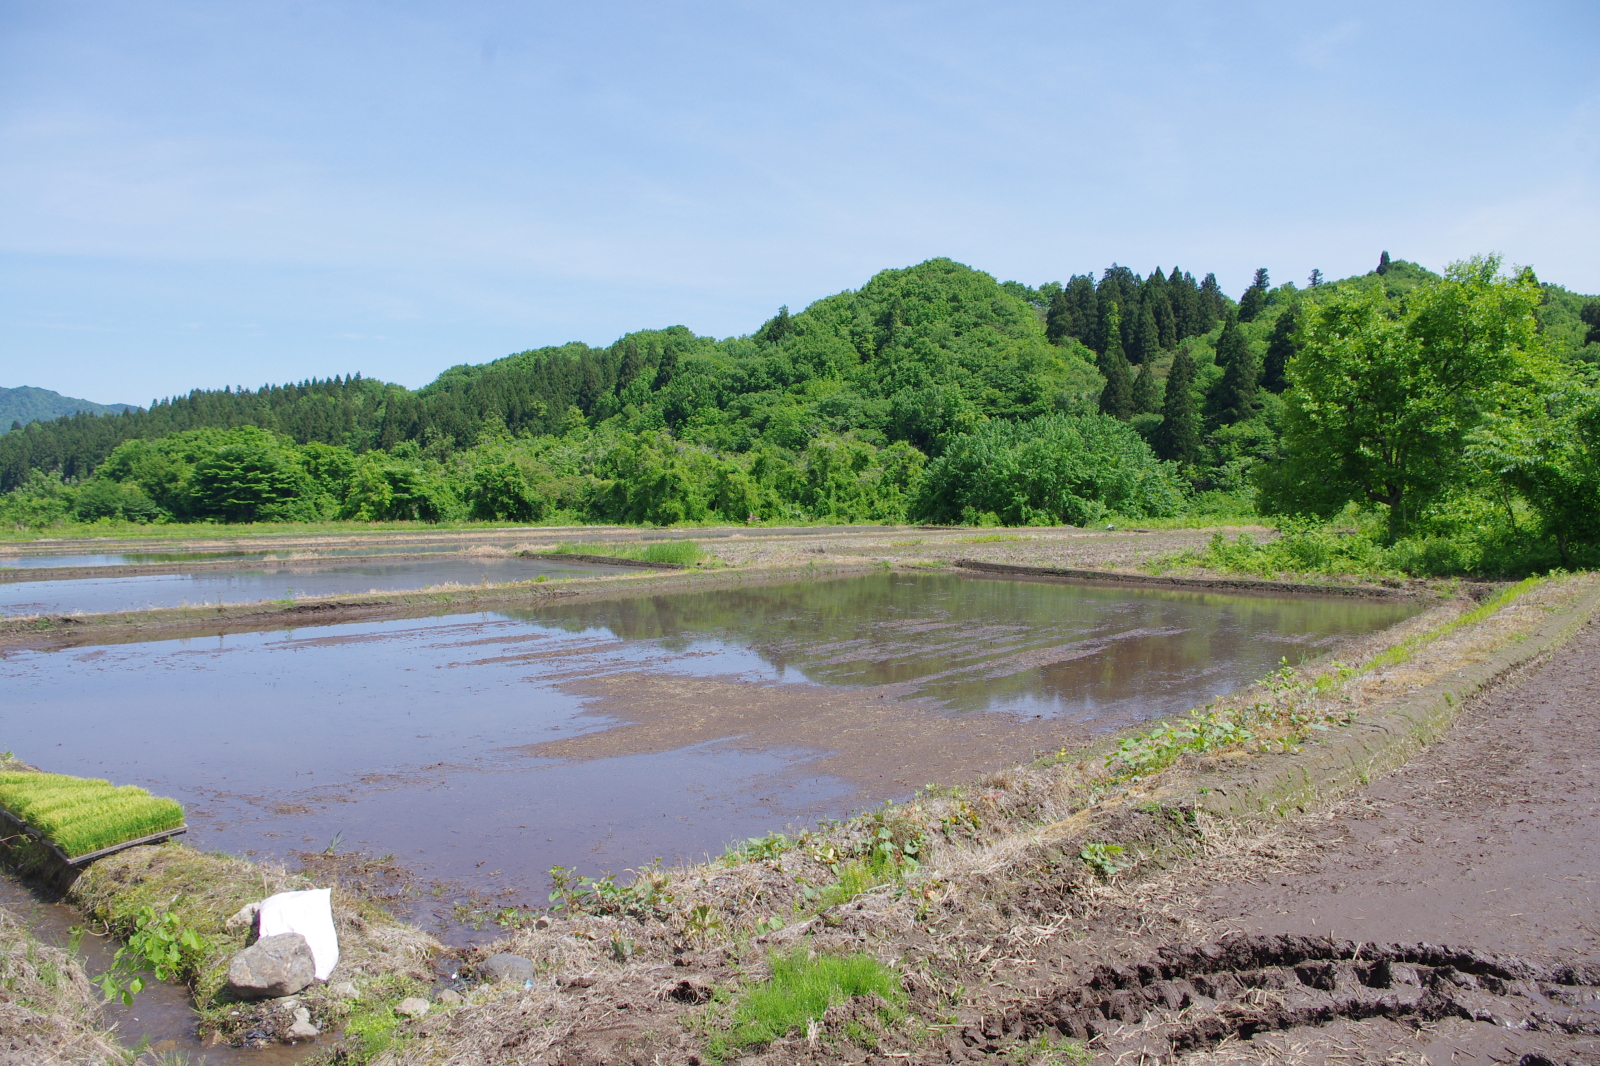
column 485, row 748
column 160, row 1017
column 287, row 580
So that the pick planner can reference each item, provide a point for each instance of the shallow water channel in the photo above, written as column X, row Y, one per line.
column 274, row 581
column 482, row 749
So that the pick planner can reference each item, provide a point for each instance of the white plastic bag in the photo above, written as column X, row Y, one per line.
column 310, row 914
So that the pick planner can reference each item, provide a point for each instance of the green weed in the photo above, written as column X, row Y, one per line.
column 158, row 944
column 801, row 989
column 680, row 552
column 1104, row 859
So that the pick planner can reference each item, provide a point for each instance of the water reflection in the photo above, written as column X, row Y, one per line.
column 487, row 748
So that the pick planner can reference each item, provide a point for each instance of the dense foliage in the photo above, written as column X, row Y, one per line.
column 1456, row 410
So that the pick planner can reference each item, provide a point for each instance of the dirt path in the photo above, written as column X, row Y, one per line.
column 1489, row 842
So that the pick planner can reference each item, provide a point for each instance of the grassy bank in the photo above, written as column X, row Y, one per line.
column 48, row 1007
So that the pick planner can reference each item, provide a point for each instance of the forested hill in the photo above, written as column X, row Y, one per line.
column 26, row 404
column 916, row 356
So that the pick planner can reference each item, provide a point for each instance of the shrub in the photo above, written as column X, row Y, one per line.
column 1074, row 469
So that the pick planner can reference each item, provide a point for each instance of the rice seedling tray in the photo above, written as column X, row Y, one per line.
column 90, row 856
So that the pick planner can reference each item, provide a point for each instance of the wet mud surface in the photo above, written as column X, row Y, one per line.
column 481, row 750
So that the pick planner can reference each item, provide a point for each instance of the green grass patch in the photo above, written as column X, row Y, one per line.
column 80, row 814
column 680, row 552
column 801, row 989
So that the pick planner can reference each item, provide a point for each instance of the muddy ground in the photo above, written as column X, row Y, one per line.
column 1443, row 914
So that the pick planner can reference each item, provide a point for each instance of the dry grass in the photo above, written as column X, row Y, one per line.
column 47, row 1005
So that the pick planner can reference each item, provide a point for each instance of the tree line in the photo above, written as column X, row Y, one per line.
column 933, row 392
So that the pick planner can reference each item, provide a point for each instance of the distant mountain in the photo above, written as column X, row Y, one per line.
column 28, row 404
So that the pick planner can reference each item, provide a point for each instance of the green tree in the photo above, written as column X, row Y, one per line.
column 1233, row 398
column 1177, row 439
column 1116, row 399
column 1146, row 393
column 1280, row 349
column 1146, row 337
column 1254, row 298
column 1385, row 391
column 1590, row 316
column 1085, row 307
column 1058, row 322
column 1551, row 456
column 1059, row 468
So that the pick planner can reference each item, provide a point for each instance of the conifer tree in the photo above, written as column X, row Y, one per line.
column 1383, row 263
column 1058, row 319
column 1211, row 306
column 1146, row 394
column 1116, row 399
column 1177, row 439
column 1315, row 279
column 1254, row 298
column 1590, row 316
column 1233, row 398
column 1085, row 308
column 1181, row 294
column 1280, row 349
column 1146, row 338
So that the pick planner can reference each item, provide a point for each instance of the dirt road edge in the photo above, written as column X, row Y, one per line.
column 1345, row 760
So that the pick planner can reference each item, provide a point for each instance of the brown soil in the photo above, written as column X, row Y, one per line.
column 907, row 744
column 1446, row 914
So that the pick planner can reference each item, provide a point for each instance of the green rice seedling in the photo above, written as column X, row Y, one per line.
column 80, row 815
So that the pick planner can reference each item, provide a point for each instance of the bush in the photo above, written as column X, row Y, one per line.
column 103, row 498
column 43, row 500
column 1075, row 469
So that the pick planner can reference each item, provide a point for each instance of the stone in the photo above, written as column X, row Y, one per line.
column 302, row 1029
column 541, row 922
column 412, row 1007
column 451, row 998
column 271, row 967
column 343, row 990
column 243, row 918
column 506, row 969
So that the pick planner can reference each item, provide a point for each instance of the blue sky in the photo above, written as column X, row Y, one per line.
column 205, row 194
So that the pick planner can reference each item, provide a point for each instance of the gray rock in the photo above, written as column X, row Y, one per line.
column 506, row 969
column 271, row 967
column 412, row 1007
column 302, row 1029
column 343, row 990
column 451, row 998
column 243, row 918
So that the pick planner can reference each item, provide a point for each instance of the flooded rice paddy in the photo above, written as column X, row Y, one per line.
column 274, row 581
column 482, row 749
